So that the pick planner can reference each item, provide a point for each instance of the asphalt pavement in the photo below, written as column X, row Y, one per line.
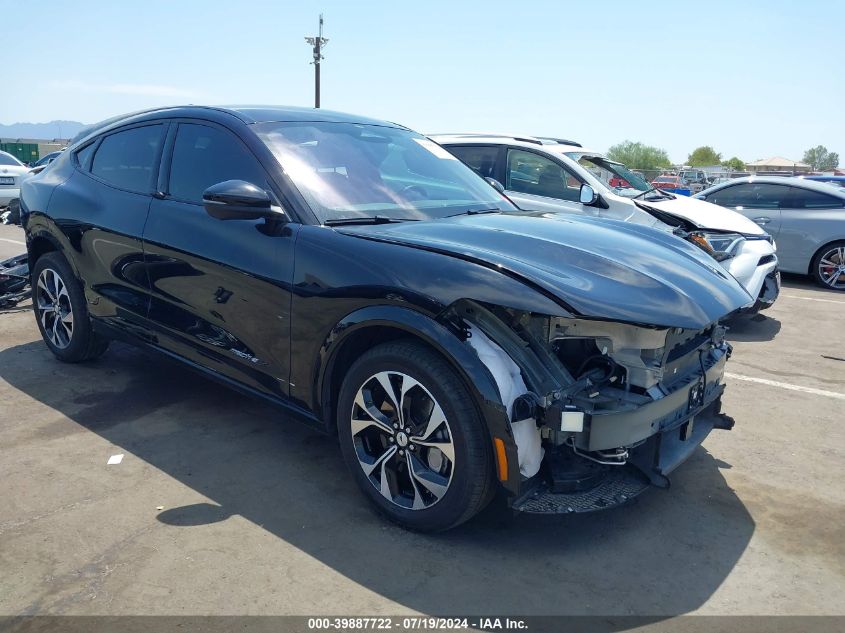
column 221, row 505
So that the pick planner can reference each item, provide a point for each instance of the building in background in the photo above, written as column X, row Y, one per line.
column 29, row 150
column 779, row 165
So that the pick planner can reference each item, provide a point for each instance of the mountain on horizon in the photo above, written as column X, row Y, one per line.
column 42, row 131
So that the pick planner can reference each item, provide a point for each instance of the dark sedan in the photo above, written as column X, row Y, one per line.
column 360, row 276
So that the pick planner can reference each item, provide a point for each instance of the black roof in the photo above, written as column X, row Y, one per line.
column 261, row 114
column 248, row 114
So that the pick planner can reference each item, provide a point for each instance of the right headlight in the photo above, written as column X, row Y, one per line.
column 720, row 246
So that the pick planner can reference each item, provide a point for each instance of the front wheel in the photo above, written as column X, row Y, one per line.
column 411, row 435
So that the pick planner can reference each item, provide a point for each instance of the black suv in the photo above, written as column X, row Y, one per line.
column 357, row 274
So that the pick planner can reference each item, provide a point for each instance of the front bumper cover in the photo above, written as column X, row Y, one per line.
column 662, row 435
column 649, row 464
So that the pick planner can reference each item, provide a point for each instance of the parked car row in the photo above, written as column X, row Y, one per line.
column 12, row 173
column 806, row 217
column 545, row 335
column 547, row 175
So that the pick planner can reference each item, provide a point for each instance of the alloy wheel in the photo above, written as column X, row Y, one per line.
column 54, row 308
column 832, row 268
column 402, row 440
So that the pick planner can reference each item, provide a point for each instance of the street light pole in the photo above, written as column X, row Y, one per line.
column 317, row 43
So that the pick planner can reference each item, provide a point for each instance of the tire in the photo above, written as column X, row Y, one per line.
column 61, row 311
column 429, row 489
column 835, row 254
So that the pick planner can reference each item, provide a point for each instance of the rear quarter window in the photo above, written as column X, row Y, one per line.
column 83, row 156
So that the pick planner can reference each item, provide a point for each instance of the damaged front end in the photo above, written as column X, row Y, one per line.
column 599, row 410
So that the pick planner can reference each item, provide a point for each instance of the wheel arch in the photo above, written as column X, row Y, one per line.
column 41, row 240
column 818, row 252
column 38, row 246
column 372, row 325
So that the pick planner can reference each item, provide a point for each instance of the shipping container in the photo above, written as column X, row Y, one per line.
column 24, row 152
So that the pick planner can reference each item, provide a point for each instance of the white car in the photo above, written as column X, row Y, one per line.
column 547, row 174
column 12, row 173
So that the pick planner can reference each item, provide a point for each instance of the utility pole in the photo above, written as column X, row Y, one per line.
column 318, row 43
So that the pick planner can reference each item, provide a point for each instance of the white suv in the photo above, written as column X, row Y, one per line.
column 546, row 174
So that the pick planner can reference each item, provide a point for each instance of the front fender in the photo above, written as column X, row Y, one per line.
column 461, row 356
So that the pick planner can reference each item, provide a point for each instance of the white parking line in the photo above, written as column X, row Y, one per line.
column 788, row 386
column 3, row 239
column 812, row 299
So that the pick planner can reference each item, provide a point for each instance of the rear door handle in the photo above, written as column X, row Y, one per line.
column 762, row 221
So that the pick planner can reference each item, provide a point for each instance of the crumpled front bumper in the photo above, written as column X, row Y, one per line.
column 661, row 436
column 755, row 261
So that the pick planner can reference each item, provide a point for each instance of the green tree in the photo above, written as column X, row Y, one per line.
column 704, row 156
column 639, row 156
column 820, row 159
column 734, row 163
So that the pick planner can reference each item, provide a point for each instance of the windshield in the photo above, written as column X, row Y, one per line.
column 351, row 170
column 8, row 159
column 615, row 176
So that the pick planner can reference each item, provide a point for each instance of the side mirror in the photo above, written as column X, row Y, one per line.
column 587, row 196
column 495, row 184
column 238, row 200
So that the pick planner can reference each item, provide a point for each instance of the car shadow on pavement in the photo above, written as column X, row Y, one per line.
column 752, row 328
column 792, row 281
column 663, row 555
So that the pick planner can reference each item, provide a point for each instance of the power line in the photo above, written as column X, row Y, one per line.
column 317, row 42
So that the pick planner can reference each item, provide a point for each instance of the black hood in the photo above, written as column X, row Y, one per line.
column 594, row 267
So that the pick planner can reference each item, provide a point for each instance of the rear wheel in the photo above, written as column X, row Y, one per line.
column 828, row 266
column 413, row 439
column 61, row 311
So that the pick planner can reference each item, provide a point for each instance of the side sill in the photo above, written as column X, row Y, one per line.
column 297, row 413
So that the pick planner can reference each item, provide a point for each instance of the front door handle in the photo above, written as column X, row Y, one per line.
column 762, row 221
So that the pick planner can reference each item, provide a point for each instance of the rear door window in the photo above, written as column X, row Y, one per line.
column 807, row 199
column 127, row 159
column 480, row 158
column 204, row 156
column 537, row 175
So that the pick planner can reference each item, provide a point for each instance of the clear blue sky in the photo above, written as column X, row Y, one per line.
column 753, row 79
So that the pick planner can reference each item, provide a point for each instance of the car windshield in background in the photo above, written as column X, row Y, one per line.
column 8, row 159
column 614, row 175
column 350, row 170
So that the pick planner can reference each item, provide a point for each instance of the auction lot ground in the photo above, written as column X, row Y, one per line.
column 260, row 517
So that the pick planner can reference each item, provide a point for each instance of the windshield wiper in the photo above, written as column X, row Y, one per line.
column 477, row 212
column 376, row 219
column 659, row 192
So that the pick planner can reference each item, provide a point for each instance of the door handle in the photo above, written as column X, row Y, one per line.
column 762, row 221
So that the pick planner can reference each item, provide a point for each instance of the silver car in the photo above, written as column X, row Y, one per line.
column 12, row 173
column 806, row 218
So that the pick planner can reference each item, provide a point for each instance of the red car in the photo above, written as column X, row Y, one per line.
column 669, row 182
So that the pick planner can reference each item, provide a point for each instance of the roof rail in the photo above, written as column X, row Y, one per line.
column 515, row 137
column 560, row 141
